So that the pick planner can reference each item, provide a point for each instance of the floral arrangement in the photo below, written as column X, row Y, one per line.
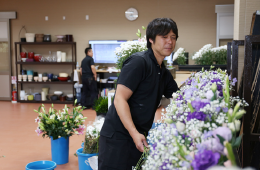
column 92, row 136
column 208, row 55
column 199, row 126
column 128, row 48
column 59, row 123
column 179, row 56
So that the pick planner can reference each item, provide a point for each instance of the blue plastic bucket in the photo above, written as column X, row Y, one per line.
column 60, row 150
column 83, row 159
column 41, row 165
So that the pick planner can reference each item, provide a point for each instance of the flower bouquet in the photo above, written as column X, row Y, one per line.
column 128, row 48
column 208, row 55
column 179, row 56
column 57, row 124
column 87, row 156
column 199, row 126
column 92, row 136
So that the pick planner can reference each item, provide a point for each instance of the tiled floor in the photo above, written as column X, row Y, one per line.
column 19, row 143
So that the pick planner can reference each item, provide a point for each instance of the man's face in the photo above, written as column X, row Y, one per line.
column 90, row 53
column 164, row 45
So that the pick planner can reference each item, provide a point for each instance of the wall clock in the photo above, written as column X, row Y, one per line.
column 131, row 14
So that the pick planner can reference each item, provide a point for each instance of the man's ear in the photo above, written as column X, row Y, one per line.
column 150, row 40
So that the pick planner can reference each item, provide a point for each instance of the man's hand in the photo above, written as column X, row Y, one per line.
column 139, row 141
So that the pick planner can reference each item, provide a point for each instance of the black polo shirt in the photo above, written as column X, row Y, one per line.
column 86, row 66
column 141, row 73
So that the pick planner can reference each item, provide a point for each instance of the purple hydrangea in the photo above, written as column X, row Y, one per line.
column 198, row 104
column 205, row 159
column 197, row 115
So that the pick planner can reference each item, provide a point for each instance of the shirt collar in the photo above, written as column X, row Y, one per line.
column 151, row 54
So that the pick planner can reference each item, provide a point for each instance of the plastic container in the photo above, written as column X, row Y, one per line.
column 83, row 159
column 41, row 165
column 29, row 37
column 60, row 150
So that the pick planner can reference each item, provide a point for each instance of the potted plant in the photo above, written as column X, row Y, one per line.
column 59, row 126
column 87, row 156
column 101, row 106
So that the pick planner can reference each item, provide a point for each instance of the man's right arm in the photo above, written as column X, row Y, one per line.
column 122, row 95
column 94, row 71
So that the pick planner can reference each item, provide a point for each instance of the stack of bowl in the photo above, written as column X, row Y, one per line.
column 63, row 76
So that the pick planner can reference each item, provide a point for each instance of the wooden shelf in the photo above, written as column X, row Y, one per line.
column 47, row 82
column 46, row 63
column 19, row 66
column 45, row 43
column 47, row 101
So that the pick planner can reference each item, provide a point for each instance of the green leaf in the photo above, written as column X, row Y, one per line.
column 221, row 139
column 144, row 28
column 191, row 108
column 39, row 108
column 238, row 141
column 139, row 31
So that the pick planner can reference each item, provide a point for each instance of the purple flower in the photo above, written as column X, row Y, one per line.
column 165, row 164
column 223, row 132
column 225, row 109
column 213, row 145
column 196, row 115
column 234, row 81
column 207, row 134
column 215, row 80
column 205, row 159
column 229, row 77
column 217, row 109
column 197, row 104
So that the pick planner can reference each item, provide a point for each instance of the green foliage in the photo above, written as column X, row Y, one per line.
column 59, row 124
column 101, row 105
column 212, row 57
column 90, row 144
column 181, row 61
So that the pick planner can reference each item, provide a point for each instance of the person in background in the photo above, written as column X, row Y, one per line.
column 140, row 86
column 89, row 77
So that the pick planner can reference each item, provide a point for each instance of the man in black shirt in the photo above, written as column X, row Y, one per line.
column 142, row 82
column 89, row 77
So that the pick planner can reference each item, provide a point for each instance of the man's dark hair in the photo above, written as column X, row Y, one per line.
column 87, row 50
column 160, row 26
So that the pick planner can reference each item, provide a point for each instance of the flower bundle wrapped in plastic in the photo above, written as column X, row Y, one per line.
column 200, row 125
column 92, row 136
column 179, row 56
column 59, row 123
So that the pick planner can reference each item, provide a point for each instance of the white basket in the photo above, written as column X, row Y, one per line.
column 29, row 37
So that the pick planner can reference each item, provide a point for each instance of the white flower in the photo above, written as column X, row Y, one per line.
column 180, row 126
column 52, row 117
column 234, row 126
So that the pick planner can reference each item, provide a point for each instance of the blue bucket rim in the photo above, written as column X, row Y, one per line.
column 54, row 166
column 79, row 152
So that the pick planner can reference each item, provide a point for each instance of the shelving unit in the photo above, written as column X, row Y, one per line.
column 19, row 63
